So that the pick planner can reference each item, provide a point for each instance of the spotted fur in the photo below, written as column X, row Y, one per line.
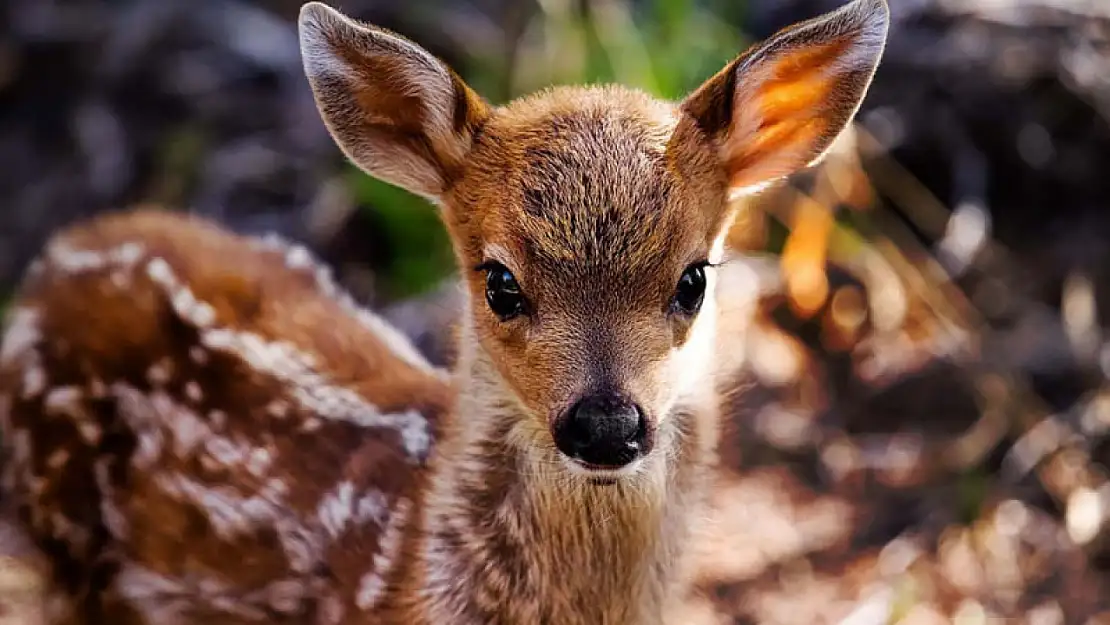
column 198, row 420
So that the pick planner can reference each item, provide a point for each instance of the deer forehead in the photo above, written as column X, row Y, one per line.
column 587, row 179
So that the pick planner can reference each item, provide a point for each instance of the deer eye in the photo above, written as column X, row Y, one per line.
column 502, row 292
column 690, row 291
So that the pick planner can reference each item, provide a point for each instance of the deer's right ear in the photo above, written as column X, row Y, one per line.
column 394, row 109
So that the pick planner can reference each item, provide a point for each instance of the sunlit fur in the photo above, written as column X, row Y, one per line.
column 596, row 199
column 581, row 199
column 202, row 427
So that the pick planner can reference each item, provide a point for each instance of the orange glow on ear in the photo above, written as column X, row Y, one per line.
column 782, row 135
column 781, row 101
column 811, row 57
column 801, row 80
column 779, row 106
column 791, row 104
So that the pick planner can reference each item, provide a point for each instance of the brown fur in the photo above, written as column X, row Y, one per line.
column 203, row 428
column 87, row 342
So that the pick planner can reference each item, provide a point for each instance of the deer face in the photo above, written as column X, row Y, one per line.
column 588, row 221
column 587, row 227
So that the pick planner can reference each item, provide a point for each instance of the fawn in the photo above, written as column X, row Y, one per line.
column 202, row 427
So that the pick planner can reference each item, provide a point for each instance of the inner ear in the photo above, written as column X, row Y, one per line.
column 779, row 106
column 395, row 110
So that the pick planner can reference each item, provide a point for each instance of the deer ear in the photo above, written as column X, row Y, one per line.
column 779, row 106
column 394, row 109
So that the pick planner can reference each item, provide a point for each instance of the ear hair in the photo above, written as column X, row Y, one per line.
column 779, row 106
column 394, row 109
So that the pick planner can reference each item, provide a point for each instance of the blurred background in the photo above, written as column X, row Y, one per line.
column 919, row 412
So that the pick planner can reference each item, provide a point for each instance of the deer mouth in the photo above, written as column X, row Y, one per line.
column 601, row 475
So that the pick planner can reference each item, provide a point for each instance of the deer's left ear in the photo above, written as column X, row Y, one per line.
column 780, row 105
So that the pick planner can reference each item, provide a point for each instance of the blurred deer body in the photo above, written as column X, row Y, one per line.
column 203, row 427
column 197, row 420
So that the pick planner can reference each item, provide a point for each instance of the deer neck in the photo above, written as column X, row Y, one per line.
column 508, row 536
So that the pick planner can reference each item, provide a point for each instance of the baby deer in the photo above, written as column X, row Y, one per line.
column 202, row 428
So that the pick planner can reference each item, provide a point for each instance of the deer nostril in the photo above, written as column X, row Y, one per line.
column 604, row 431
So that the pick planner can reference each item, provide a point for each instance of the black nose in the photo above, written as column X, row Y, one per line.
column 603, row 430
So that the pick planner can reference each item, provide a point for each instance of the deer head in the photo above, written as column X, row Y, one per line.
column 588, row 223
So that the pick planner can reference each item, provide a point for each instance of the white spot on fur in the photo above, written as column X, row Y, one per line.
column 185, row 304
column 370, row 589
column 135, row 410
column 21, row 336
column 34, row 380
column 231, row 513
column 128, row 254
column 372, row 506
column 156, row 415
column 259, row 461
column 286, row 596
column 218, row 419
column 65, row 401
column 58, row 459
column 75, row 536
column 187, row 430
column 298, row 257
column 68, row 401
column 160, row 373
column 303, row 548
column 19, row 462
column 339, row 510
column 225, row 452
column 198, row 355
column 90, row 432
column 210, row 464
column 120, row 280
column 72, row 260
column 19, row 342
column 180, row 601
column 113, row 518
column 278, row 409
column 336, row 508
column 97, row 388
column 373, row 582
column 157, row 598
column 148, row 450
column 232, row 509
column 295, row 368
column 193, row 392
column 288, row 364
